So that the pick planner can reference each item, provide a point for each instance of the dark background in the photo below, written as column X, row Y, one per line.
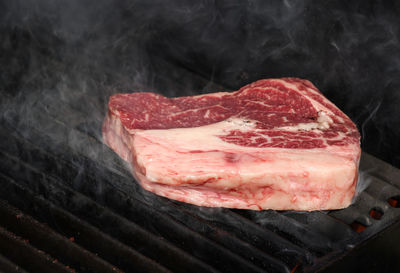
column 83, row 51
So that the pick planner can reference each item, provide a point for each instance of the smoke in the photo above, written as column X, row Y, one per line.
column 364, row 180
column 61, row 60
column 371, row 114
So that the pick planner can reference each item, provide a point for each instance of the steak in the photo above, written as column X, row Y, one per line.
column 273, row 144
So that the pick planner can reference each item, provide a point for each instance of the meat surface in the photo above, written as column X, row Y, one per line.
column 273, row 144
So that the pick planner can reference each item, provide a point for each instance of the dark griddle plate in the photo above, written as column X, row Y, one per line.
column 69, row 203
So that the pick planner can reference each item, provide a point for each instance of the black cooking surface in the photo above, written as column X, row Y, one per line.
column 68, row 203
column 67, row 194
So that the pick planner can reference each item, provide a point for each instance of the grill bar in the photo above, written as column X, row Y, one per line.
column 45, row 239
column 381, row 190
column 19, row 251
column 323, row 224
column 8, row 266
column 231, row 240
column 71, row 226
column 262, row 239
column 289, row 229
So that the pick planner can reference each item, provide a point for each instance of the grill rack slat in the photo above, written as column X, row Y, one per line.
column 8, row 266
column 322, row 223
column 44, row 207
column 274, row 221
column 19, row 251
column 381, row 190
column 235, row 241
column 71, row 226
column 47, row 240
column 223, row 219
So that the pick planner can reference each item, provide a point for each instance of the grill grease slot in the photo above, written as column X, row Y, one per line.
column 376, row 213
column 358, row 227
column 394, row 201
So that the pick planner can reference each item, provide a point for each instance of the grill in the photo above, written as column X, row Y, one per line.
column 69, row 204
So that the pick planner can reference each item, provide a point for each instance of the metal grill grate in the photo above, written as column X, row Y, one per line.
column 66, row 208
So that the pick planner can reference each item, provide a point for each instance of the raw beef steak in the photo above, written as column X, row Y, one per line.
column 273, row 144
